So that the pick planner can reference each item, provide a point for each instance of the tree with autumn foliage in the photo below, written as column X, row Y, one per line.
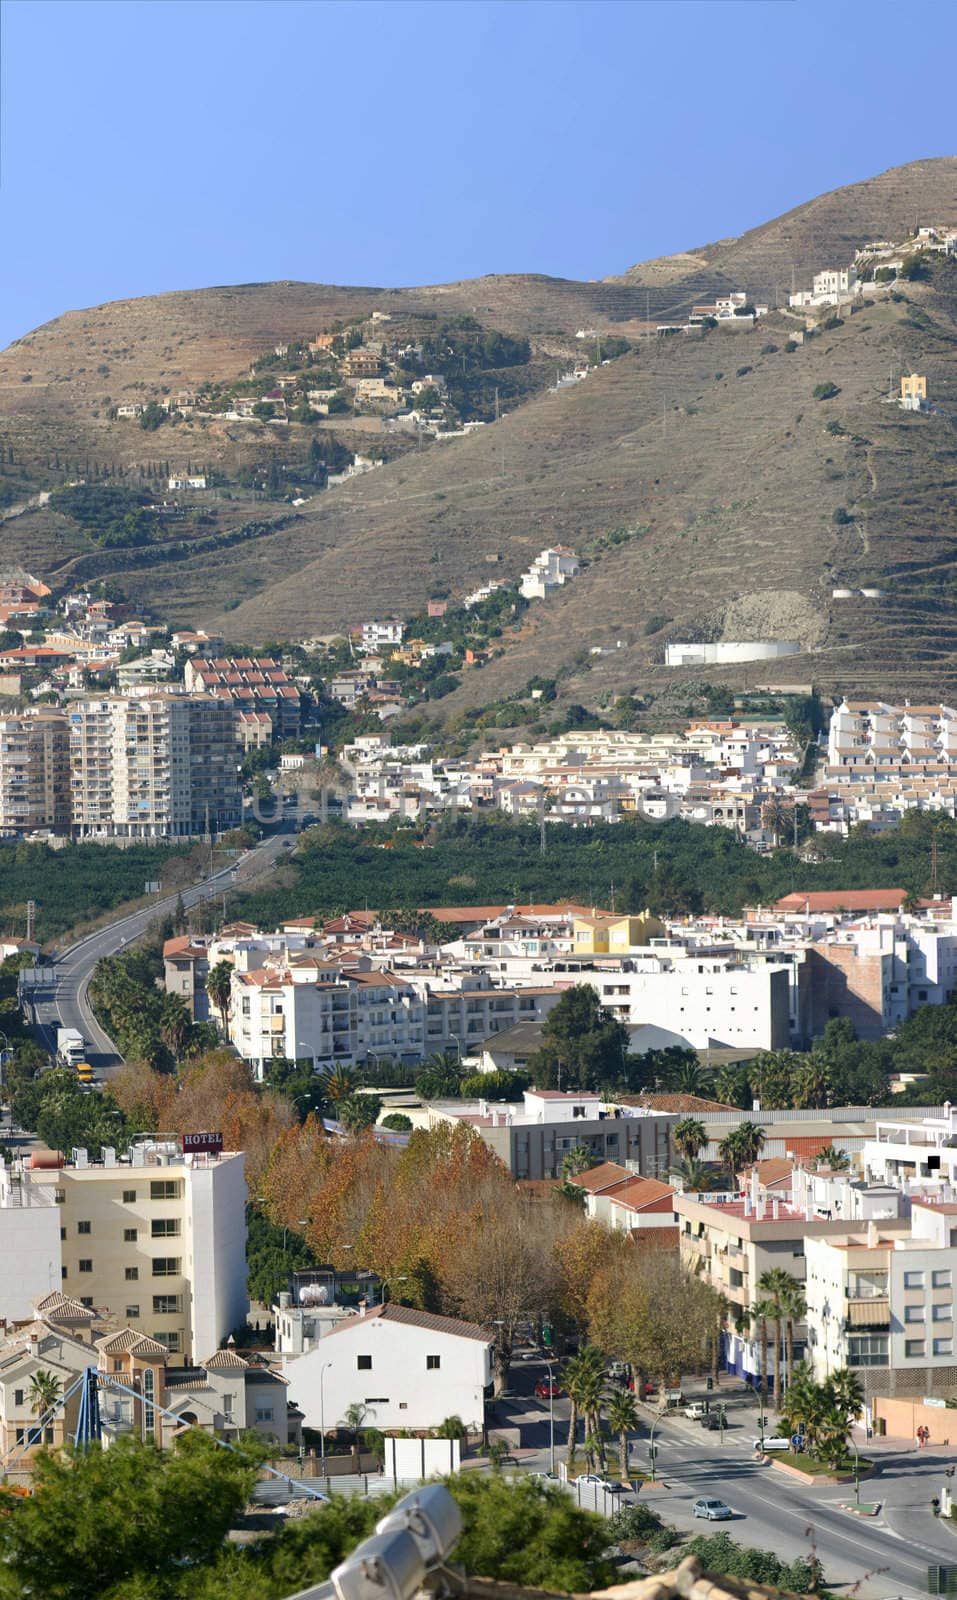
column 649, row 1311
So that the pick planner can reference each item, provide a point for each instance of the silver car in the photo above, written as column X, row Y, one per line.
column 712, row 1510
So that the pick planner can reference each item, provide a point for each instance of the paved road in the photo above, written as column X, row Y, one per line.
column 879, row 1557
column 64, row 1002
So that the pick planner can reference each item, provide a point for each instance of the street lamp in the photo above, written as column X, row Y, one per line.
column 302, row 1223
column 652, row 1449
column 551, row 1418
column 857, row 1469
column 322, row 1417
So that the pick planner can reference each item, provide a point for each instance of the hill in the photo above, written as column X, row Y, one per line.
column 707, row 457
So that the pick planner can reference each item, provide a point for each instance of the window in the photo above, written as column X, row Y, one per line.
column 63, row 1272
column 867, row 1350
column 913, row 1313
column 86, row 1265
column 83, row 1227
column 228, row 1400
column 171, row 1340
column 21, row 1434
column 943, row 1313
column 264, row 1413
column 130, row 1235
column 165, row 1228
column 132, row 1312
column 87, row 1300
column 433, row 1363
column 942, row 1278
column 165, row 1189
column 915, row 1347
column 129, row 1197
column 166, row 1305
column 131, row 1274
column 363, row 1363
column 166, row 1266
column 62, row 1233
column 118, row 1365
column 943, row 1347
column 18, row 1397
column 913, row 1280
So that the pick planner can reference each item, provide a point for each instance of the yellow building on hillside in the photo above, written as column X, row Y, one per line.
column 607, row 933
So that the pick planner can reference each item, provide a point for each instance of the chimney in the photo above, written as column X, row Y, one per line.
column 775, row 1208
column 871, row 1234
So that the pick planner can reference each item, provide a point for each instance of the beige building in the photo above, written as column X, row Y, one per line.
column 156, row 1240
column 35, row 772
column 153, row 766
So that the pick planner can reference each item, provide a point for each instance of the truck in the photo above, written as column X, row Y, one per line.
column 70, row 1048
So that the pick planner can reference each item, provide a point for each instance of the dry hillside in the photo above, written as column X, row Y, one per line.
column 710, row 451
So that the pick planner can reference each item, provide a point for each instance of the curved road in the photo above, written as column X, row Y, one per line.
column 64, row 1002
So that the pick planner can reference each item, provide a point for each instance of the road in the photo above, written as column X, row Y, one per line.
column 64, row 1002
column 882, row 1556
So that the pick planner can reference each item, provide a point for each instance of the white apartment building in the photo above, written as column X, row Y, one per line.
column 919, row 1157
column 156, row 1239
column 550, row 570
column 882, row 1301
column 316, row 1011
column 34, row 772
column 871, row 737
column 532, row 1137
column 696, row 1002
column 407, row 1368
column 828, row 287
column 155, row 766
column 376, row 634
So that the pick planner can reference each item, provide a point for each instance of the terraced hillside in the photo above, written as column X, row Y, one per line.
column 739, row 501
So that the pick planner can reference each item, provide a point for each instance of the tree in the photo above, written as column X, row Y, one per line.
column 338, row 1083
column 176, row 1024
column 584, row 1382
column 357, row 1112
column 795, row 1310
column 741, row 1148
column 582, row 1046
column 105, row 1517
column 152, row 416
column 529, row 1533
column 811, row 1084
column 622, row 1414
column 829, row 1156
column 776, row 1285
column 689, row 1137
column 397, row 1122
column 219, row 987
column 577, row 1160
column 732, row 1086
column 825, row 391
column 761, row 1313
column 44, row 1393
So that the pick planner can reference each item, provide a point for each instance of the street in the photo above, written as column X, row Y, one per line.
column 64, row 1003
column 882, row 1556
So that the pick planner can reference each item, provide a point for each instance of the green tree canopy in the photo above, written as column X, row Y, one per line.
column 582, row 1046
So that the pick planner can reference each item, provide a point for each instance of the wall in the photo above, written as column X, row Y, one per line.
column 700, row 655
column 216, row 1225
column 30, row 1254
column 902, row 1419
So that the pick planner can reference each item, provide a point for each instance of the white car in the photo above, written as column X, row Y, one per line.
column 596, row 1481
column 772, row 1441
column 696, row 1410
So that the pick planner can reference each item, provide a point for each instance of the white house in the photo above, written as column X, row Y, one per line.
column 377, row 634
column 187, row 480
column 550, row 570
column 407, row 1368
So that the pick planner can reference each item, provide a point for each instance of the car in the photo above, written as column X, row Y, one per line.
column 696, row 1411
column 595, row 1480
column 772, row 1441
column 712, row 1510
column 547, row 1389
column 547, row 1477
column 710, row 1421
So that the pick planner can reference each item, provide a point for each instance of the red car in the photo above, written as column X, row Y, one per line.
column 546, row 1390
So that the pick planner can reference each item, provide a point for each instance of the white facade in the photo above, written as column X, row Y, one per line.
column 409, row 1369
column 698, row 1003
column 550, row 570
column 377, row 634
column 316, row 1011
column 724, row 651
column 29, row 1245
column 157, row 1239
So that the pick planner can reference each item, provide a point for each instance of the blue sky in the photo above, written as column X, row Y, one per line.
column 165, row 144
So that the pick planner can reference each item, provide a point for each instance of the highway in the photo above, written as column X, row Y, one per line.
column 63, row 1002
column 878, row 1557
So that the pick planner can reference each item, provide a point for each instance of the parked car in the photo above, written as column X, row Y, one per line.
column 696, row 1411
column 595, row 1480
column 772, row 1441
column 710, row 1421
column 712, row 1510
column 547, row 1389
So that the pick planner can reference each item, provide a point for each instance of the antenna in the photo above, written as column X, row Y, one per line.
column 31, row 919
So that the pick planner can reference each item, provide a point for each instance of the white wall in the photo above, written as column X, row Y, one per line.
column 399, row 1390
column 216, row 1238
column 697, row 655
column 29, row 1257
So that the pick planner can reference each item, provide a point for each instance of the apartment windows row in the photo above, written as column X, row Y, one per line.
column 941, row 1278
column 942, row 1312
column 160, row 1228
column 162, row 1266
column 917, row 1348
column 432, row 1363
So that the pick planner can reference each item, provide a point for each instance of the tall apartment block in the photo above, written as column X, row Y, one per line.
column 154, row 1238
column 153, row 766
column 35, row 772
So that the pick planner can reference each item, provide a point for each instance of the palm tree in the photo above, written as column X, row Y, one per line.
column 688, row 1078
column 584, row 1381
column 802, row 1408
column 830, row 1156
column 741, row 1148
column 732, row 1087
column 176, row 1024
column 44, row 1394
column 847, row 1393
column 622, row 1414
column 354, row 1418
column 219, row 987
column 794, row 1306
column 338, row 1083
column 694, row 1175
column 761, row 1312
column 811, row 1085
column 775, row 1285
column 689, row 1137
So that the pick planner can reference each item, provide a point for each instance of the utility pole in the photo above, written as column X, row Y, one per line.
column 31, row 919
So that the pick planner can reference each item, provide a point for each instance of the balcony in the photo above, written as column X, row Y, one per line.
column 869, row 1312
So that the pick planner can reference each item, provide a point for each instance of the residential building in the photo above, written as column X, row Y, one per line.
column 35, row 772
column 225, row 1394
column 312, row 1008
column 187, row 480
column 56, row 1336
column 882, row 1301
column 374, row 635
column 915, row 1155
column 156, row 1239
column 185, row 970
column 913, row 392
column 550, row 570
column 29, row 1244
column 251, row 684
column 533, row 1137
column 405, row 1368
column 154, row 766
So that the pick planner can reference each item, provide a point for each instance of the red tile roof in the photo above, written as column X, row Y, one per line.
column 843, row 900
